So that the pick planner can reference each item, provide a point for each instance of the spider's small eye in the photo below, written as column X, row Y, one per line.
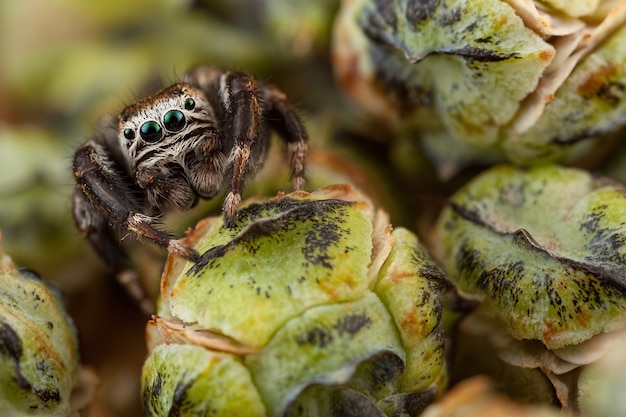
column 190, row 104
column 174, row 120
column 129, row 134
column 151, row 131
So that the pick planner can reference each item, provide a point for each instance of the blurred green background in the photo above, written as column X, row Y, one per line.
column 63, row 64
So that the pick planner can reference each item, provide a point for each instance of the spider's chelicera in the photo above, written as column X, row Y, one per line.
column 188, row 141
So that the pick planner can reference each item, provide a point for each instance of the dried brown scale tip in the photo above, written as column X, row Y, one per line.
column 478, row 397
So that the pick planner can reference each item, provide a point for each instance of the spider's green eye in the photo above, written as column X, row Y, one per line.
column 174, row 120
column 190, row 104
column 129, row 134
column 151, row 131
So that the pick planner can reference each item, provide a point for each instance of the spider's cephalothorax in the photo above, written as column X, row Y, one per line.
column 187, row 141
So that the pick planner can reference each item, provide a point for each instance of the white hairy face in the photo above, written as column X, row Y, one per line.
column 171, row 147
column 162, row 128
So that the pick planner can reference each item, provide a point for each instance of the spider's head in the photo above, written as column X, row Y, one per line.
column 158, row 133
column 161, row 125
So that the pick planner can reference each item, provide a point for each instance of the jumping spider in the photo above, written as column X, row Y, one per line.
column 188, row 141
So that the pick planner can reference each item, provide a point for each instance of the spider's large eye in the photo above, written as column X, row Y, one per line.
column 129, row 134
column 174, row 120
column 151, row 131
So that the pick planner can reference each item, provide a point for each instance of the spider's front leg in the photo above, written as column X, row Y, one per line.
column 103, row 200
column 249, row 110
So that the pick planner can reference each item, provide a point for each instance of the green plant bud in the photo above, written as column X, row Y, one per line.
column 39, row 369
column 515, row 78
column 543, row 250
column 313, row 305
column 188, row 380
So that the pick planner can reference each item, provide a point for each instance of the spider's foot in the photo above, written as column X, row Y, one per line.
column 231, row 204
column 298, row 152
column 181, row 249
column 130, row 281
column 298, row 183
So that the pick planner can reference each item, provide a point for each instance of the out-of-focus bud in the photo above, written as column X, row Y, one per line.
column 39, row 368
column 526, row 81
column 543, row 250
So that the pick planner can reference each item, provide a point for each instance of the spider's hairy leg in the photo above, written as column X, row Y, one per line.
column 102, row 199
column 106, row 191
column 93, row 225
column 285, row 121
column 238, row 92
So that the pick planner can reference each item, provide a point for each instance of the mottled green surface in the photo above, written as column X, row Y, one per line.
column 473, row 61
column 38, row 347
column 410, row 285
column 67, row 62
column 543, row 248
column 324, row 346
column 466, row 73
column 295, row 256
column 171, row 387
column 331, row 312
